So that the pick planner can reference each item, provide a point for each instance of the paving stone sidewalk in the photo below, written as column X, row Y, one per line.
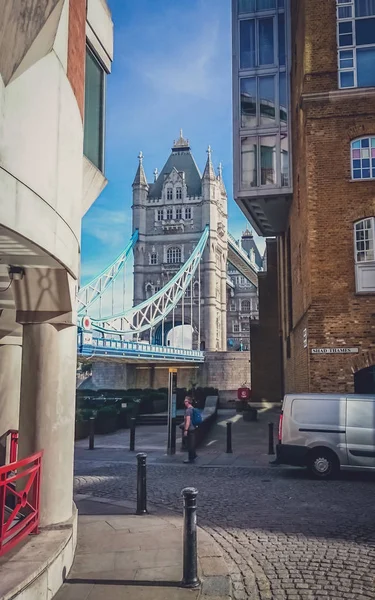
column 121, row 555
column 249, row 444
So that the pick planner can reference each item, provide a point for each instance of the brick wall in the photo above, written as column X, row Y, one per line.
column 326, row 204
column 265, row 335
column 226, row 371
column 77, row 50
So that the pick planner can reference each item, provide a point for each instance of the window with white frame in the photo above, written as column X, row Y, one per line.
column 160, row 215
column 153, row 258
column 174, row 255
column 356, row 43
column 245, row 306
column 364, row 235
column 245, row 326
column 188, row 213
column 232, row 306
column 178, row 193
column 169, row 214
column 236, row 327
column 169, row 194
column 363, row 157
column 178, row 213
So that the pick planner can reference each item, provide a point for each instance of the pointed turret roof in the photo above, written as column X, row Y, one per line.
column 140, row 176
column 181, row 142
column 248, row 244
column 209, row 172
column 183, row 161
column 221, row 180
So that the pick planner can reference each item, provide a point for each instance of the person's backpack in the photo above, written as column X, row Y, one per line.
column 196, row 417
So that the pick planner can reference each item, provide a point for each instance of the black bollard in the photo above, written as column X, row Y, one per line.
column 91, row 433
column 190, row 565
column 229, row 437
column 271, row 449
column 132, row 435
column 141, row 484
column 173, row 437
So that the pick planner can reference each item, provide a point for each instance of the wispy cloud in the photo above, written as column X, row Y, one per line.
column 188, row 68
column 106, row 225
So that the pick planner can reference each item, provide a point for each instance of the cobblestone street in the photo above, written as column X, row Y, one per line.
column 283, row 535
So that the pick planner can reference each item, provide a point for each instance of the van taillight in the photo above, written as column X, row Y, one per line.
column 280, row 427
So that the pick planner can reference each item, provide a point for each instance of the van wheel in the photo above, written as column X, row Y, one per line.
column 323, row 464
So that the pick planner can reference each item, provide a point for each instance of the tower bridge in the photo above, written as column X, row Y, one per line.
column 195, row 287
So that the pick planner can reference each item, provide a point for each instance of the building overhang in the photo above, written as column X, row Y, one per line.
column 268, row 214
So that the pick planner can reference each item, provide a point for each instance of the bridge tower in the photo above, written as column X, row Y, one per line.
column 171, row 214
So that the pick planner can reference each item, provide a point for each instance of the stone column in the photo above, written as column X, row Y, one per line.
column 209, row 308
column 10, row 386
column 224, row 310
column 47, row 412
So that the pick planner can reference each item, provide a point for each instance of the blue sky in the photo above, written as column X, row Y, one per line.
column 171, row 70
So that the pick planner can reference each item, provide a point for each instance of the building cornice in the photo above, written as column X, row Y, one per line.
column 338, row 95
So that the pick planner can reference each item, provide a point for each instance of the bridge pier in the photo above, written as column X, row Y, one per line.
column 225, row 371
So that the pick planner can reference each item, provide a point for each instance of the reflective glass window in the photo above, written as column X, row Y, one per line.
column 281, row 25
column 268, row 160
column 365, row 32
column 366, row 67
column 93, row 143
column 246, row 6
column 267, row 100
column 283, row 98
column 266, row 42
column 247, row 44
column 249, row 162
column 266, row 4
column 364, row 8
column 248, row 102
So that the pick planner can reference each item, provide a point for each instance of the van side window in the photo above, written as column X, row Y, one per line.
column 361, row 414
column 318, row 412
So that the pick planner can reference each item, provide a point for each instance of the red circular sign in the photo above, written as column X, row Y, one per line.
column 86, row 322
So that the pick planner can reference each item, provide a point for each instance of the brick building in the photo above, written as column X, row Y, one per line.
column 325, row 220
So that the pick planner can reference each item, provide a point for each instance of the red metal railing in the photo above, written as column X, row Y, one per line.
column 19, row 500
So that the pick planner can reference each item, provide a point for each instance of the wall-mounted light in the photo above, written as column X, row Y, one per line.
column 16, row 273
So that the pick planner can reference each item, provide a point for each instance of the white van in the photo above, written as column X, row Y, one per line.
column 327, row 432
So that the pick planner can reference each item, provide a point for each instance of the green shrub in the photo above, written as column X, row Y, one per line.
column 83, row 414
column 110, row 410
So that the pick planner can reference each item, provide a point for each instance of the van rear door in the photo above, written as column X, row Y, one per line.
column 360, row 431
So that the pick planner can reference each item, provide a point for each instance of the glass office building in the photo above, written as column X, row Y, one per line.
column 261, row 112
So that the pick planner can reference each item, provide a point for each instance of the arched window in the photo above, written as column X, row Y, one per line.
column 363, row 158
column 245, row 306
column 178, row 193
column 149, row 290
column 153, row 258
column 364, row 236
column 169, row 194
column 174, row 255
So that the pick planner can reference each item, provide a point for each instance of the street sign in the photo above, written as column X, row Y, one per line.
column 334, row 350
